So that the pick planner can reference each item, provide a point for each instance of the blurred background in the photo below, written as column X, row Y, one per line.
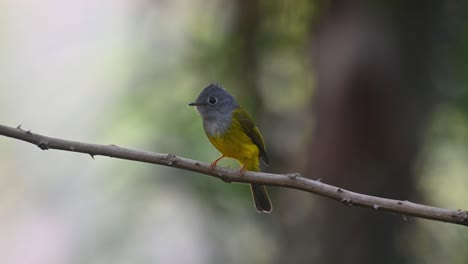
column 371, row 96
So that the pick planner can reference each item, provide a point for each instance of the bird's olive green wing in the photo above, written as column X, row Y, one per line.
column 249, row 128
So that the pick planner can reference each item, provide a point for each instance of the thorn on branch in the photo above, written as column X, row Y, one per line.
column 462, row 216
column 221, row 176
column 347, row 202
column 29, row 132
column 376, row 207
column 92, row 155
column 399, row 203
column 293, row 176
column 19, row 127
column 339, row 190
column 43, row 145
column 197, row 163
column 319, row 180
column 170, row 159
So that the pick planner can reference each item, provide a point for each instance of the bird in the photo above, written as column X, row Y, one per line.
column 232, row 131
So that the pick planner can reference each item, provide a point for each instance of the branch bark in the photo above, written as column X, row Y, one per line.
column 292, row 181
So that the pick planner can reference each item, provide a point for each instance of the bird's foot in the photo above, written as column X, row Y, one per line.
column 213, row 164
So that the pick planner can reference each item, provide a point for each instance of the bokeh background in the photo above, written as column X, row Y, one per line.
column 371, row 96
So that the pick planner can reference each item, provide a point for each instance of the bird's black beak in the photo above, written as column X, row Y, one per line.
column 194, row 103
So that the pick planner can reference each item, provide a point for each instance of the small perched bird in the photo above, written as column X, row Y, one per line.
column 231, row 130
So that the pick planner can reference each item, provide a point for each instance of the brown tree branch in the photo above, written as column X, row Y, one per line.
column 292, row 181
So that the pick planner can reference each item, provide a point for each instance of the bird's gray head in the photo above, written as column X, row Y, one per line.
column 215, row 103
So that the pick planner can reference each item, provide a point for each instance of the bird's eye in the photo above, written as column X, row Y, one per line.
column 212, row 100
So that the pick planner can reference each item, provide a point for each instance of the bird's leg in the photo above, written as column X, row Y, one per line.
column 242, row 169
column 213, row 164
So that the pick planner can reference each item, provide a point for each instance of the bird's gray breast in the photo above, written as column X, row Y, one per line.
column 218, row 125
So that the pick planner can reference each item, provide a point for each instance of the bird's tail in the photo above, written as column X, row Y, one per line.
column 261, row 199
column 259, row 193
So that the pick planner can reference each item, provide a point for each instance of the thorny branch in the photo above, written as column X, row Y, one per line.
column 292, row 181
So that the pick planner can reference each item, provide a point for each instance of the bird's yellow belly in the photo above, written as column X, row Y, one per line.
column 238, row 146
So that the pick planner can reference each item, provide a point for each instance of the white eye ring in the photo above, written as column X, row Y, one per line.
column 212, row 100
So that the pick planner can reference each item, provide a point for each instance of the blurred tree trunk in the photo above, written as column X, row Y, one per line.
column 374, row 95
column 243, row 53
